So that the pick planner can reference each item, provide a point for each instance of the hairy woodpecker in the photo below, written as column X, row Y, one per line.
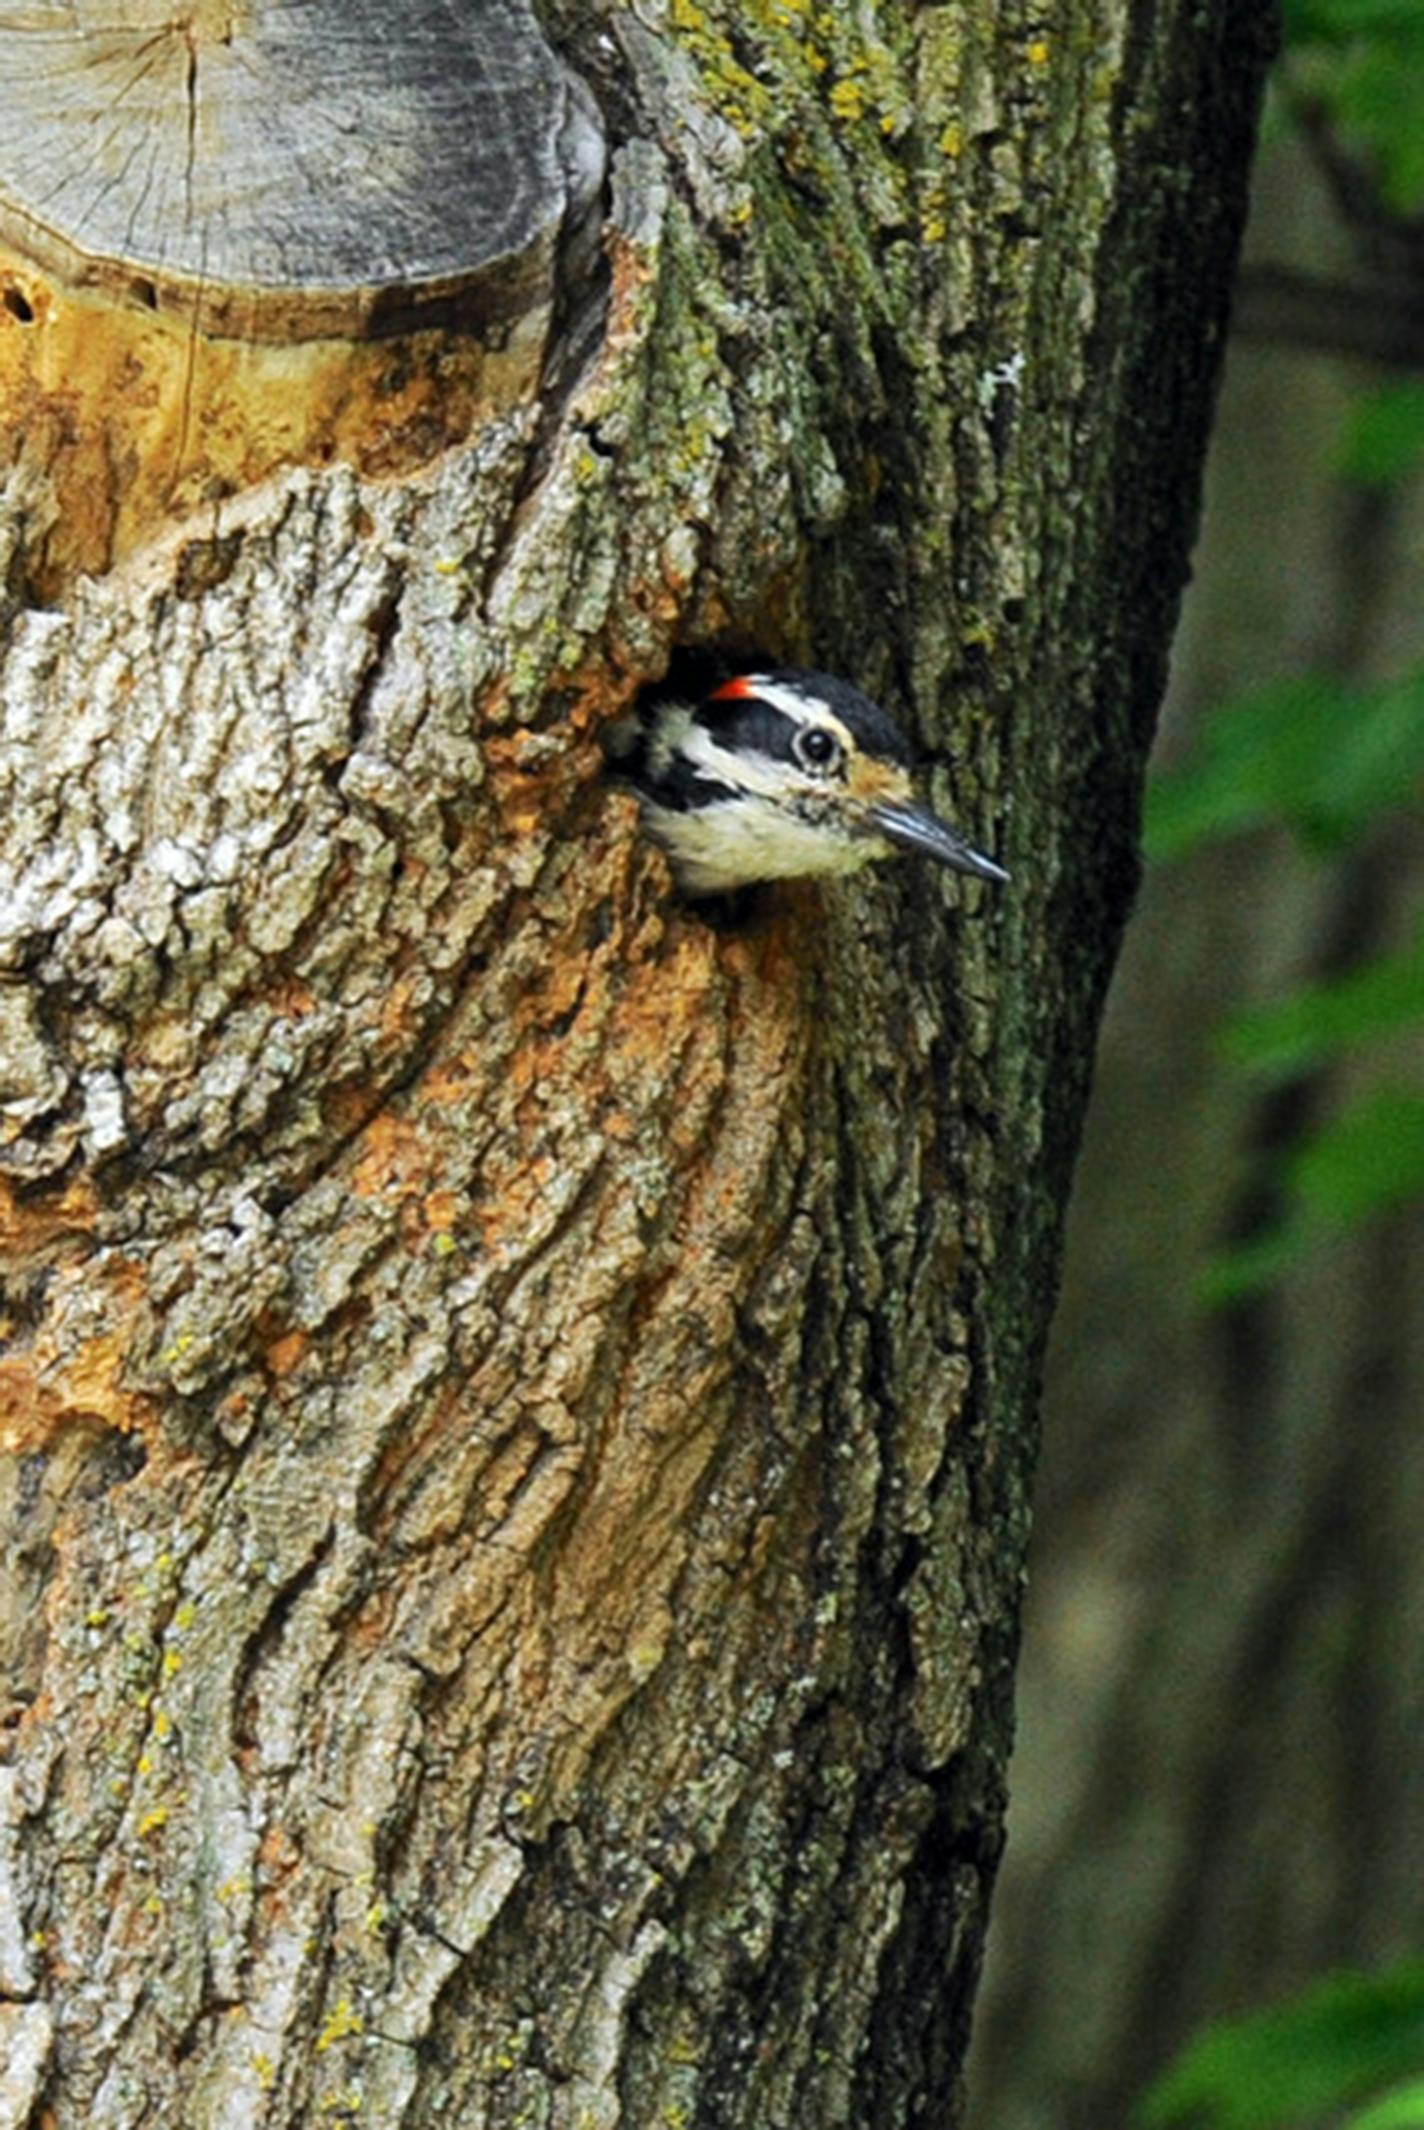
column 779, row 774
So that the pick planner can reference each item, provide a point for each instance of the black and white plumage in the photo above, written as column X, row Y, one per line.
column 776, row 775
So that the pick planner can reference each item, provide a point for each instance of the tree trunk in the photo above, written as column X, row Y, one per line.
column 522, row 1401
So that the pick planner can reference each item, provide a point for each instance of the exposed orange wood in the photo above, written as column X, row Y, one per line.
column 140, row 421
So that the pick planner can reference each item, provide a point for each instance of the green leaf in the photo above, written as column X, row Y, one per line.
column 1367, row 1159
column 1362, row 62
column 1364, row 1161
column 1258, row 754
column 1342, row 19
column 1321, row 756
column 1384, row 436
column 1247, row 1267
column 1403, row 2109
column 1378, row 98
column 1323, row 1020
column 1334, row 2044
column 1375, row 764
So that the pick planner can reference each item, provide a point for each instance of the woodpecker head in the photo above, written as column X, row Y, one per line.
column 775, row 775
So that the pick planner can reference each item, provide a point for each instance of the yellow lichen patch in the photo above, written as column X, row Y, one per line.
column 342, row 2021
column 848, row 99
column 743, row 101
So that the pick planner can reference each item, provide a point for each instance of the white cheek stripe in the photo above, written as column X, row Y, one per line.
column 744, row 772
column 807, row 710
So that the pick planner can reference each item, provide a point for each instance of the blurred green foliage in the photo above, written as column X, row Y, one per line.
column 1403, row 2109
column 1323, row 1021
column 1383, row 442
column 1350, row 2039
column 1362, row 62
column 1328, row 761
column 1325, row 758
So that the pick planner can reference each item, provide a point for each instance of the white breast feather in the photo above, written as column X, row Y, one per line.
column 716, row 848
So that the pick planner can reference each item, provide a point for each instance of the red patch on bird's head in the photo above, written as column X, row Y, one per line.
column 735, row 691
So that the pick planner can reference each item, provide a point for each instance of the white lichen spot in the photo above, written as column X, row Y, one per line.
column 105, row 1126
column 993, row 381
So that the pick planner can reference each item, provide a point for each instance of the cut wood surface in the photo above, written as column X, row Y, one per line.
column 240, row 237
column 291, row 168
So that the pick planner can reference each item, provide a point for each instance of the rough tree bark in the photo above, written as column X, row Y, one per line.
column 521, row 1401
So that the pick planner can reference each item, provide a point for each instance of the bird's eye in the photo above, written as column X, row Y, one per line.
column 818, row 749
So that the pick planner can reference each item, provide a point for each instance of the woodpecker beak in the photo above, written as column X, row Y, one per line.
column 915, row 828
